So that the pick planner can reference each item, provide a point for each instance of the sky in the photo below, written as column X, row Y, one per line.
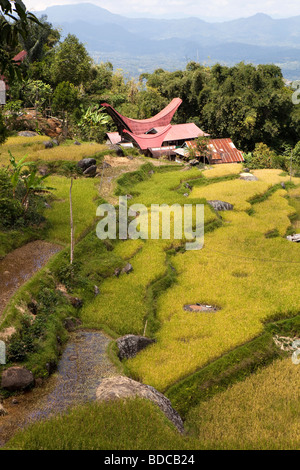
column 209, row 10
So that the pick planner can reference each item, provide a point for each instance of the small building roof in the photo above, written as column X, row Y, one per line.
column 20, row 56
column 183, row 132
column 159, row 151
column 221, row 150
column 114, row 137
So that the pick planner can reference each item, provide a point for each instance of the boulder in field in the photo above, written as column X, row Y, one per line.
column 130, row 345
column 119, row 387
column 91, row 171
column 16, row 378
column 127, row 269
column 220, row 205
column 248, row 177
column 119, row 151
column 86, row 163
column 48, row 144
column 27, row 134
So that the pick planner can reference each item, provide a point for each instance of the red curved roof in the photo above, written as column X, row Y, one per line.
column 145, row 141
column 136, row 126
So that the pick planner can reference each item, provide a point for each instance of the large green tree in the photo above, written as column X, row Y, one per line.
column 72, row 62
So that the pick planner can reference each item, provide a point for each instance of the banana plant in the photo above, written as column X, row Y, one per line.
column 34, row 185
column 16, row 169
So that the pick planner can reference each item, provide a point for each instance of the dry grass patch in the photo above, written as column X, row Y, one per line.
column 270, row 270
column 260, row 413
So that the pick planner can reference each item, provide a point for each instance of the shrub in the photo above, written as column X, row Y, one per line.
column 262, row 157
column 10, row 208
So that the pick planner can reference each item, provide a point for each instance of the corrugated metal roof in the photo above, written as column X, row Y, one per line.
column 222, row 151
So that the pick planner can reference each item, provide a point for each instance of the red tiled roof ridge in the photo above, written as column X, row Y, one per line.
column 141, row 126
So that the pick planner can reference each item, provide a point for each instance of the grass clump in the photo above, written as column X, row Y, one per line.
column 134, row 424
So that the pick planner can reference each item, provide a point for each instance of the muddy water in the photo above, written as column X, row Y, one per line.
column 84, row 364
column 19, row 265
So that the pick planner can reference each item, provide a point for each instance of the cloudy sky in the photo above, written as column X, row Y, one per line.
column 206, row 9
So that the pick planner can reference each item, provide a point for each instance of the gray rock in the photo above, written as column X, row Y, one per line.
column 188, row 186
column 27, row 134
column 127, row 269
column 119, row 151
column 119, row 387
column 246, row 170
column 48, row 144
column 77, row 143
column 16, row 378
column 186, row 194
column 96, row 290
column 194, row 162
column 55, row 142
column 248, row 177
column 86, row 163
column 220, row 205
column 130, row 345
column 90, row 171
column 282, row 184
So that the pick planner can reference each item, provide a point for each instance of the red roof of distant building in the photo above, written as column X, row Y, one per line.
column 20, row 56
column 222, row 151
column 136, row 126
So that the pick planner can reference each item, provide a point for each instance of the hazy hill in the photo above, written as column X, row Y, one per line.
column 154, row 42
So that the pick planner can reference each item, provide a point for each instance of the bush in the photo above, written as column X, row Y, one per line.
column 262, row 157
column 10, row 208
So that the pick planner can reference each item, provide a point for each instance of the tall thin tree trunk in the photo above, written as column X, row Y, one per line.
column 71, row 224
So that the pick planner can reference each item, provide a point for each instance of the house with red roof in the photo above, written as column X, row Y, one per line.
column 156, row 136
column 19, row 58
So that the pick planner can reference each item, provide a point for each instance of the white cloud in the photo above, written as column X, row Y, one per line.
column 225, row 9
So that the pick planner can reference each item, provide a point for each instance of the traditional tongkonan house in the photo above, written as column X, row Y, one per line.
column 156, row 136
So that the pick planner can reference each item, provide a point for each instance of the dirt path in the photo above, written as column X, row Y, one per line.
column 19, row 265
column 84, row 364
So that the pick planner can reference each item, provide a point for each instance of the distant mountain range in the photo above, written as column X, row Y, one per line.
column 142, row 45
